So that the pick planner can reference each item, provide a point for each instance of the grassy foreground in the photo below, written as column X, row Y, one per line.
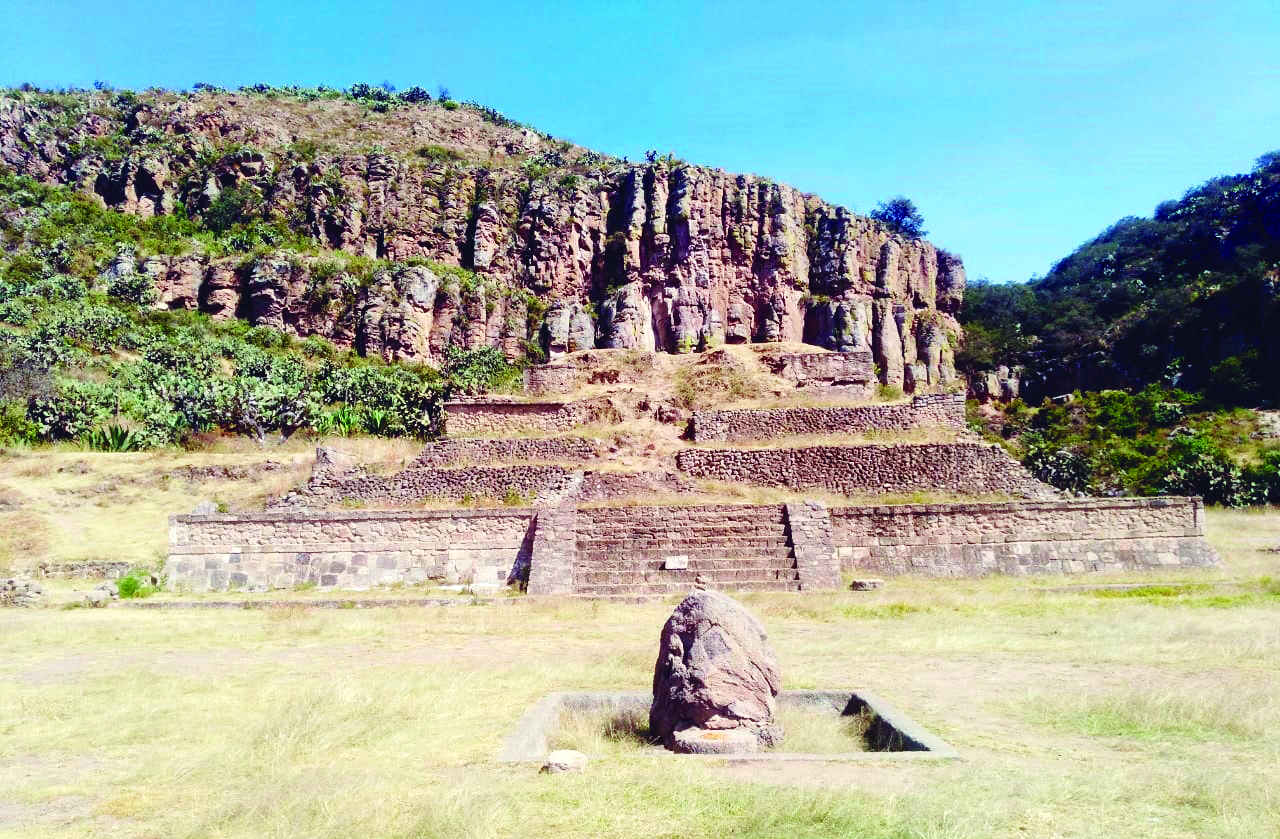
column 1153, row 713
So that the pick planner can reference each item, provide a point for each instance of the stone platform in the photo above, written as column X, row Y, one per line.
column 630, row 552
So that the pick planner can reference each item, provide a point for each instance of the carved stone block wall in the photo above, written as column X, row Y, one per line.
column 809, row 527
column 554, row 547
column 481, row 548
column 1075, row 536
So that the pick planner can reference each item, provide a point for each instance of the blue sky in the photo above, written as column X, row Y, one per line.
column 1019, row 129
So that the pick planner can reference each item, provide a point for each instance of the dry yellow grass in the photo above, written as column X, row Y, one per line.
column 74, row 505
column 1078, row 715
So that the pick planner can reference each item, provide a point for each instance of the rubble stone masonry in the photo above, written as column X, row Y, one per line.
column 964, row 468
column 530, row 449
column 495, row 416
column 933, row 410
column 417, row 484
column 550, row 379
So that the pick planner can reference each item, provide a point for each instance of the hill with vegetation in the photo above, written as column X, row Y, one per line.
column 1156, row 338
column 1189, row 298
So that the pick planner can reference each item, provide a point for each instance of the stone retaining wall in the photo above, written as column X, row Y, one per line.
column 93, row 569
column 334, row 480
column 964, row 468
column 555, row 449
column 483, row 548
column 422, row 484
column 490, row 548
column 933, row 410
column 550, row 379
column 971, row 540
column 497, row 416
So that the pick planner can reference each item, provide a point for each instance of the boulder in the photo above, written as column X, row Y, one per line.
column 715, row 673
column 565, row 760
column 205, row 508
column 96, row 598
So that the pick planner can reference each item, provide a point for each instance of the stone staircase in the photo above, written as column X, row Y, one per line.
column 632, row 553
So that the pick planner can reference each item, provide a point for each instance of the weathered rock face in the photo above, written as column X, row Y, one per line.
column 657, row 256
column 715, row 673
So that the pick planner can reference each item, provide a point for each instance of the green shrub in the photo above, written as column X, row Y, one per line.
column 15, row 428
column 439, row 154
column 233, row 206
column 76, row 408
column 344, row 421
column 135, row 584
column 1196, row 466
column 1059, row 467
column 305, row 150
column 476, row 371
column 415, row 95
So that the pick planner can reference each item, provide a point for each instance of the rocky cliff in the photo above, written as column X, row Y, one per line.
column 557, row 245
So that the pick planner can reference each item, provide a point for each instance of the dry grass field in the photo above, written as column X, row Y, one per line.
column 1085, row 713
column 66, row 504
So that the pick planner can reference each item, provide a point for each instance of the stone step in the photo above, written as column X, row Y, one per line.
column 711, row 576
column 624, row 514
column 608, row 544
column 659, row 526
column 631, row 553
column 660, row 517
column 663, row 590
column 604, row 543
column 703, row 565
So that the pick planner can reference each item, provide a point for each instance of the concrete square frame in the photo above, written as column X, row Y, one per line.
column 893, row 735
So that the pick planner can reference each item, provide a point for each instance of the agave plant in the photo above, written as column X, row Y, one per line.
column 345, row 420
column 113, row 438
column 378, row 422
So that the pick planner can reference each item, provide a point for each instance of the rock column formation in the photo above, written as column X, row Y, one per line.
column 578, row 253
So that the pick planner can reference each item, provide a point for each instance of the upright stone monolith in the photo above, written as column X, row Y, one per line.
column 716, row 680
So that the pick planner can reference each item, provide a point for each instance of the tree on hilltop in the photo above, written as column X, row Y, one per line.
column 901, row 216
